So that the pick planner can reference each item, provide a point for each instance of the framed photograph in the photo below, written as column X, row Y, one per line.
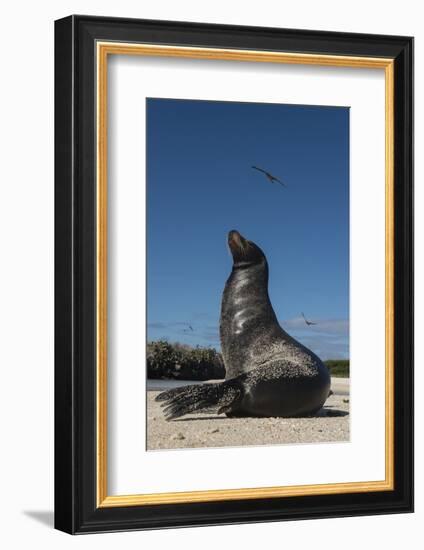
column 234, row 269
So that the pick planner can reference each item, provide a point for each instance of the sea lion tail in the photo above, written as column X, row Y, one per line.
column 188, row 399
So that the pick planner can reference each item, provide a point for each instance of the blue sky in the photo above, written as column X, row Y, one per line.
column 200, row 185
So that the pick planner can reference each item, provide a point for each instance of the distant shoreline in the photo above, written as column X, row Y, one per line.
column 177, row 361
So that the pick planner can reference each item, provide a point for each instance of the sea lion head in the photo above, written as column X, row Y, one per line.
column 244, row 252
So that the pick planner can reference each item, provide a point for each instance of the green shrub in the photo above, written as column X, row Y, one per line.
column 161, row 359
column 180, row 361
column 338, row 367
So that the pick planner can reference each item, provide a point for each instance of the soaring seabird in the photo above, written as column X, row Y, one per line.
column 269, row 176
column 309, row 323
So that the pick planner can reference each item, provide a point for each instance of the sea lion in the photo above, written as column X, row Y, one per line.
column 268, row 373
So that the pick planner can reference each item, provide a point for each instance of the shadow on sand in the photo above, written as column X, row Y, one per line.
column 323, row 413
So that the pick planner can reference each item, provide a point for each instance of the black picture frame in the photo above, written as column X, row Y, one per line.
column 76, row 509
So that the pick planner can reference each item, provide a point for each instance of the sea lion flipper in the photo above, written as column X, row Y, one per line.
column 194, row 398
column 232, row 406
column 227, row 409
column 170, row 394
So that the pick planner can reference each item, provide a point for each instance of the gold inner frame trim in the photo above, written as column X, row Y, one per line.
column 103, row 50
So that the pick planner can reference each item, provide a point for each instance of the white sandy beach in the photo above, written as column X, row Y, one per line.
column 211, row 430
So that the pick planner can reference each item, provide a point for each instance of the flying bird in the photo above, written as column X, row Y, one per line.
column 189, row 328
column 309, row 323
column 269, row 176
